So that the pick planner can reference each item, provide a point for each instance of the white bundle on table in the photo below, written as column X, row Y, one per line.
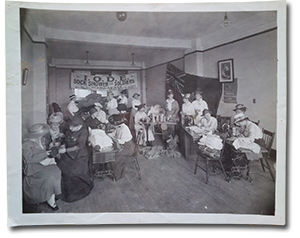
column 211, row 141
column 98, row 138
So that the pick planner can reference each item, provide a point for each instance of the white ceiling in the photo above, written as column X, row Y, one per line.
column 184, row 28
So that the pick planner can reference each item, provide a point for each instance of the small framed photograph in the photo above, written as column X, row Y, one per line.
column 225, row 70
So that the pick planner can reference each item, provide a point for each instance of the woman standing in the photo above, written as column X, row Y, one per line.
column 171, row 107
column 74, row 163
column 188, row 110
column 142, row 122
column 123, row 138
column 199, row 104
column 112, row 104
column 42, row 178
column 135, row 103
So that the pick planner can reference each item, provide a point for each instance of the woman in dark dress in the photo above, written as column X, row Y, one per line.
column 74, row 163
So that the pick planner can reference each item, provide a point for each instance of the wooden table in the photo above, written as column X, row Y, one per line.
column 101, row 162
column 188, row 141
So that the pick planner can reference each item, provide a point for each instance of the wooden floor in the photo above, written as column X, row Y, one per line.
column 170, row 185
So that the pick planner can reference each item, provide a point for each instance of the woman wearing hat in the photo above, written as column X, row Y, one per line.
column 140, row 121
column 74, row 163
column 171, row 107
column 112, row 104
column 92, row 121
column 122, row 100
column 122, row 137
column 72, row 107
column 251, row 130
column 135, row 103
column 199, row 104
column 42, row 177
column 251, row 137
column 239, row 110
column 57, row 128
column 208, row 123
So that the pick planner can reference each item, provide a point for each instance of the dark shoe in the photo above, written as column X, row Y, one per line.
column 53, row 208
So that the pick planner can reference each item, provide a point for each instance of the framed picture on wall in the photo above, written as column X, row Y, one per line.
column 225, row 70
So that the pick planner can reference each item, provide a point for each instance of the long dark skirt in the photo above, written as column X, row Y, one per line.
column 119, row 165
column 77, row 182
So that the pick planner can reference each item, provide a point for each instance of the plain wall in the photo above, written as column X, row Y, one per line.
column 34, row 92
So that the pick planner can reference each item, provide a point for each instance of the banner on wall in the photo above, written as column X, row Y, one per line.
column 103, row 82
column 230, row 92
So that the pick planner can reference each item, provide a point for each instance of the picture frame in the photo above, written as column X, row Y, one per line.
column 226, row 71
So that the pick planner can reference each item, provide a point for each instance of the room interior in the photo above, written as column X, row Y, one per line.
column 55, row 43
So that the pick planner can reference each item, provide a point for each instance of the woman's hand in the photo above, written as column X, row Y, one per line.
column 62, row 150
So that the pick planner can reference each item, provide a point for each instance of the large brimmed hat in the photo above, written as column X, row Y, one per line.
column 56, row 117
column 206, row 111
column 92, row 110
column 143, row 105
column 240, row 107
column 124, row 91
column 38, row 130
column 117, row 119
column 135, row 94
column 240, row 118
column 72, row 96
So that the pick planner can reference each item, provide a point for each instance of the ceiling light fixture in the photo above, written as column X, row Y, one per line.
column 121, row 16
column 132, row 60
column 87, row 58
column 226, row 22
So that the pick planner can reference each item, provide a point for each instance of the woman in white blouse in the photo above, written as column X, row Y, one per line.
column 135, row 103
column 199, row 104
column 123, row 138
column 112, row 104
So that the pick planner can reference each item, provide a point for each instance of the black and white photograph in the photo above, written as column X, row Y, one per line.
column 146, row 113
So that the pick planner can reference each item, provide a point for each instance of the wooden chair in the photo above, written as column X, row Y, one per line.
column 210, row 158
column 136, row 155
column 268, row 138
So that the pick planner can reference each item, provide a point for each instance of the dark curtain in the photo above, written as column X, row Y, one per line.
column 211, row 90
column 181, row 83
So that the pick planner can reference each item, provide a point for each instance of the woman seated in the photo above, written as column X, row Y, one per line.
column 251, row 137
column 188, row 110
column 74, row 162
column 142, row 125
column 112, row 104
column 123, row 139
column 208, row 123
column 42, row 177
column 93, row 122
column 239, row 110
column 57, row 129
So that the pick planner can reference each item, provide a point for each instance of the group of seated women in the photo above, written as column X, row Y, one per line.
column 57, row 155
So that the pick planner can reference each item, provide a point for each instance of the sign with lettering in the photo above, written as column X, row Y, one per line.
column 103, row 82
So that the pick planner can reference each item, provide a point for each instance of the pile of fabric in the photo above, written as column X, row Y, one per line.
column 99, row 140
column 158, row 151
column 152, row 152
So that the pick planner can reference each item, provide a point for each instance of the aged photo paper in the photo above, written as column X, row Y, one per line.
column 90, row 134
